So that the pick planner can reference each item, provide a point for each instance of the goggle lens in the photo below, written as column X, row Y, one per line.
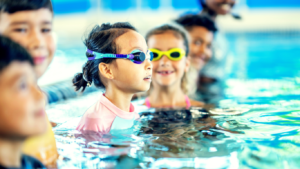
column 175, row 54
column 140, row 57
column 155, row 55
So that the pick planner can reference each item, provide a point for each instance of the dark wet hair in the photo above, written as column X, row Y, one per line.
column 101, row 40
column 176, row 29
column 189, row 21
column 11, row 51
column 12, row 6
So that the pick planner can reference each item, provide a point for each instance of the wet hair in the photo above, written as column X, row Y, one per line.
column 189, row 21
column 11, row 51
column 175, row 28
column 101, row 40
column 12, row 6
column 179, row 32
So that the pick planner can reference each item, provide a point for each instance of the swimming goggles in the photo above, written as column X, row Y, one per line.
column 137, row 57
column 174, row 54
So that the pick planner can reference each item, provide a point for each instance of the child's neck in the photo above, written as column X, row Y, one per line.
column 119, row 98
column 10, row 153
column 167, row 96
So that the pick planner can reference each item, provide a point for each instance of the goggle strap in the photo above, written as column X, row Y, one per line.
column 102, row 55
column 124, row 56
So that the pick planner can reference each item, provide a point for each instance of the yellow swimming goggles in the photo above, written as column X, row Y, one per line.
column 174, row 54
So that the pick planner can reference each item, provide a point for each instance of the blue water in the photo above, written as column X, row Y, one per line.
column 75, row 6
column 264, row 87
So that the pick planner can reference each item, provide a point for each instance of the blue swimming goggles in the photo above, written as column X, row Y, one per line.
column 137, row 57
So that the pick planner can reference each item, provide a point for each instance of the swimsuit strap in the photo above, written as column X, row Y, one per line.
column 147, row 103
column 188, row 102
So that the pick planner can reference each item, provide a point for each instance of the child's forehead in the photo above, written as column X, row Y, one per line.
column 131, row 40
column 165, row 41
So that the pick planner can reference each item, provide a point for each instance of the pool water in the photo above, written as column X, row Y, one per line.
column 265, row 90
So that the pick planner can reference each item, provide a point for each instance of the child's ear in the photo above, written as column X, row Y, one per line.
column 105, row 70
column 187, row 65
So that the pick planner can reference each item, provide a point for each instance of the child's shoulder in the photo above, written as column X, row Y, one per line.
column 195, row 103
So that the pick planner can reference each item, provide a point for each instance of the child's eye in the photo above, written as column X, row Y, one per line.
column 209, row 46
column 20, row 30
column 197, row 42
column 23, row 85
column 46, row 30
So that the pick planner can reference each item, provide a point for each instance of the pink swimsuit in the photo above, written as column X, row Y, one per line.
column 104, row 116
column 187, row 101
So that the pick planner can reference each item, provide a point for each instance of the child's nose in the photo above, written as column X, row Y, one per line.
column 164, row 61
column 37, row 40
column 148, row 65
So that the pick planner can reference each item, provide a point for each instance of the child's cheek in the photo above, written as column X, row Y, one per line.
column 51, row 43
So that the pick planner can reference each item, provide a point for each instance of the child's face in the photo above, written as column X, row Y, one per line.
column 33, row 30
column 128, row 76
column 21, row 103
column 200, row 46
column 165, row 71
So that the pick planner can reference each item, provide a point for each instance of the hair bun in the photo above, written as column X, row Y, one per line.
column 79, row 82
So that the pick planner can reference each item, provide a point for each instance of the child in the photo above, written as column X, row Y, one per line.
column 22, row 105
column 118, row 60
column 201, row 30
column 169, row 44
column 29, row 22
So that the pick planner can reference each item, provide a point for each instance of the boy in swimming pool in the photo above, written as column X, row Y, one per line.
column 201, row 31
column 169, row 45
column 29, row 23
column 119, row 61
column 22, row 106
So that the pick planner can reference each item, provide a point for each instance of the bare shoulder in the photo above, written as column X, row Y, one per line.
column 195, row 103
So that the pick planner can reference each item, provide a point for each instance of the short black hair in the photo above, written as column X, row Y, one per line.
column 191, row 20
column 12, row 6
column 101, row 40
column 11, row 51
column 176, row 29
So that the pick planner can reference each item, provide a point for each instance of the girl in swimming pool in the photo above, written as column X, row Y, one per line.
column 169, row 45
column 119, row 61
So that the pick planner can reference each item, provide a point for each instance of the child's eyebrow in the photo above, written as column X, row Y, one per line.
column 25, row 22
column 47, row 23
column 15, row 78
column 19, row 23
column 138, row 48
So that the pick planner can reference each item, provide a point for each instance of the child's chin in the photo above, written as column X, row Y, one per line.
column 40, row 70
column 144, row 89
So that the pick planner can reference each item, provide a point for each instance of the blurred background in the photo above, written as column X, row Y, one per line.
column 264, row 44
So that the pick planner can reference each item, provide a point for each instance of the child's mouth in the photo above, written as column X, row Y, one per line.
column 39, row 60
column 165, row 73
column 148, row 78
